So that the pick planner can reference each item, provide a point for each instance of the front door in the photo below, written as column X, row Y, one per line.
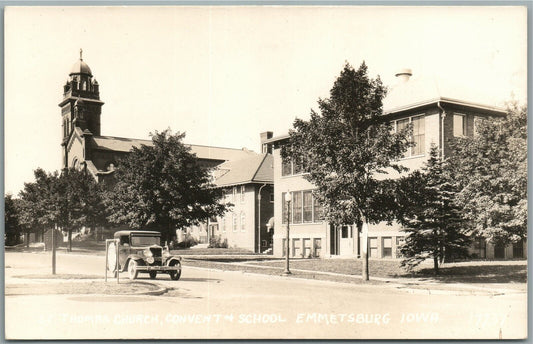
column 346, row 240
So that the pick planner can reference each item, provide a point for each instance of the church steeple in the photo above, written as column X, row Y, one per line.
column 81, row 105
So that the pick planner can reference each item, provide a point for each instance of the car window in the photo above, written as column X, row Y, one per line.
column 124, row 240
column 145, row 240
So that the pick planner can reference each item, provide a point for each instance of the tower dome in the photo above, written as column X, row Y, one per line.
column 80, row 67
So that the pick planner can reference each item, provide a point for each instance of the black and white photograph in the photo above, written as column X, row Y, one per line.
column 265, row 172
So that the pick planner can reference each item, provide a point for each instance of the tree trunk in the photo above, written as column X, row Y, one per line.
column 70, row 239
column 435, row 263
column 27, row 238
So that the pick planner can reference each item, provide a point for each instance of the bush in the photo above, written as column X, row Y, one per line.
column 217, row 242
column 187, row 242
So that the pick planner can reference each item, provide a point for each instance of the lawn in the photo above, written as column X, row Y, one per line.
column 481, row 272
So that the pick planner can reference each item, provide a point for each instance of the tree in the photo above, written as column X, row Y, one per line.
column 491, row 169
column 163, row 187
column 69, row 200
column 79, row 201
column 38, row 204
column 431, row 217
column 347, row 149
column 11, row 220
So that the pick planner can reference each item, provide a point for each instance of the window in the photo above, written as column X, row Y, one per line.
column 307, row 206
column 318, row 211
column 373, row 247
column 243, row 222
column 459, row 125
column 387, row 248
column 286, row 167
column 304, row 208
column 243, row 189
column 234, row 195
column 297, row 207
column 518, row 249
column 419, row 134
column 271, row 197
column 318, row 247
column 291, row 167
column 234, row 220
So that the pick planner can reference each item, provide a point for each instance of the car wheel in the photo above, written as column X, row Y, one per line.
column 132, row 270
column 175, row 275
column 153, row 274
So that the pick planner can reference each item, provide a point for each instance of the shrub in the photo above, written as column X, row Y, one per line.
column 187, row 242
column 217, row 242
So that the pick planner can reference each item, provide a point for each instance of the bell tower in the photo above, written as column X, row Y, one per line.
column 81, row 105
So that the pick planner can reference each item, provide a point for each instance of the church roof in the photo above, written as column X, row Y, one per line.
column 123, row 144
column 257, row 168
column 80, row 67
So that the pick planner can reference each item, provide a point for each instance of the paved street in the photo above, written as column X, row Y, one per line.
column 216, row 304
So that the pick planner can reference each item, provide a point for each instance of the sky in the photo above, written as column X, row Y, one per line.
column 223, row 75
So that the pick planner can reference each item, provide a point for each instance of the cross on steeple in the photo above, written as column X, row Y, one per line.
column 81, row 52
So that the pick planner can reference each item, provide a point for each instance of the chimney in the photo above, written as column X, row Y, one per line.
column 266, row 148
column 404, row 74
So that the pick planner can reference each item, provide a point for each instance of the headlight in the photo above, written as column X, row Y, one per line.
column 150, row 260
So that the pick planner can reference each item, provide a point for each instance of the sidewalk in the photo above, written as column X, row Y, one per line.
column 412, row 285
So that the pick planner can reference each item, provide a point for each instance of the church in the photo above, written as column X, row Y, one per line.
column 84, row 147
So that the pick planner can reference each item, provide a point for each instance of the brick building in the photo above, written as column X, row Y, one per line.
column 437, row 113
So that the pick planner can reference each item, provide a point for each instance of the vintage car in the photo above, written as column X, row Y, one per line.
column 141, row 251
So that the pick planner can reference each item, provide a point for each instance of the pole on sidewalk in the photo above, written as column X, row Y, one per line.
column 54, row 250
column 365, row 251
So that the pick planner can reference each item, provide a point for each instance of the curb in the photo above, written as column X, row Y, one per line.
column 388, row 283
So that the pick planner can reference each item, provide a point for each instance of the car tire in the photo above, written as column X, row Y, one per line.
column 132, row 270
column 175, row 275
column 153, row 274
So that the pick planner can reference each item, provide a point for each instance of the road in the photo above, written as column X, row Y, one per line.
column 222, row 305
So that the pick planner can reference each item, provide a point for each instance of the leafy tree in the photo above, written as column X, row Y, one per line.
column 163, row 187
column 347, row 150
column 69, row 200
column 11, row 220
column 431, row 217
column 491, row 169
column 79, row 201
column 38, row 203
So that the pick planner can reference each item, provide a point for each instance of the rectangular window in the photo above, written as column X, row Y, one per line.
column 387, row 248
column 243, row 222
column 223, row 224
column 373, row 247
column 234, row 220
column 518, row 249
column 271, row 198
column 286, row 167
column 419, row 135
column 318, row 211
column 308, row 206
column 297, row 166
column 234, row 194
column 318, row 247
column 459, row 125
column 296, row 207
column 243, row 189
column 296, row 248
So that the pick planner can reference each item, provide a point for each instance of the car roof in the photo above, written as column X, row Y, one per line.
column 123, row 233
